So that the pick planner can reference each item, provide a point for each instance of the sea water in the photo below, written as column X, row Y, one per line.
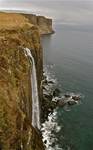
column 70, row 52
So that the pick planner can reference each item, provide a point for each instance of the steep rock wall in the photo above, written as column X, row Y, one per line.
column 44, row 24
column 16, row 131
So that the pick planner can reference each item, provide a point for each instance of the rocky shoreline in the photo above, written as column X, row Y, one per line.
column 52, row 98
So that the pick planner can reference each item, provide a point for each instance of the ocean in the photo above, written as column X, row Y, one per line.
column 69, row 51
column 68, row 55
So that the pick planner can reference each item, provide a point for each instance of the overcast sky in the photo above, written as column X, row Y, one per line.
column 67, row 12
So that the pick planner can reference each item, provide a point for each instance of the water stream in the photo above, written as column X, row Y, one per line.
column 35, row 98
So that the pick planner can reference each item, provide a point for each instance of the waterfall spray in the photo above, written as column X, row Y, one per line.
column 35, row 98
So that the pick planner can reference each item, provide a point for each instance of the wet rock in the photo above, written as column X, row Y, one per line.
column 55, row 99
column 45, row 141
column 48, row 96
column 44, row 77
column 50, row 82
column 68, row 101
column 45, row 81
column 76, row 98
column 71, row 102
column 61, row 103
column 50, row 109
column 44, row 88
column 67, row 95
column 56, row 92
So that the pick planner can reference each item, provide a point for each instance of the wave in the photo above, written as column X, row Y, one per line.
column 49, row 128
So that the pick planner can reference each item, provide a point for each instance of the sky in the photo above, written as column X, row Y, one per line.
column 73, row 12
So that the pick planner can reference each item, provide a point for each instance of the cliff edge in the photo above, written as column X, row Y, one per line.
column 16, row 131
column 43, row 24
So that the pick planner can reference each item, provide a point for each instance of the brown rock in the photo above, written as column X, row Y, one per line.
column 44, row 24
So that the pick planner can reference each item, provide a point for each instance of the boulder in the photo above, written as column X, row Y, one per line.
column 76, row 98
column 71, row 102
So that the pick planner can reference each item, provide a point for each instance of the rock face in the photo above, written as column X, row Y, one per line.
column 44, row 24
column 16, row 131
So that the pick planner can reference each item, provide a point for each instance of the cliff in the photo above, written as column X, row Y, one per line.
column 16, row 131
column 44, row 24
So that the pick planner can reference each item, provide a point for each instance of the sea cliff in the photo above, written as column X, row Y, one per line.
column 17, row 33
column 43, row 24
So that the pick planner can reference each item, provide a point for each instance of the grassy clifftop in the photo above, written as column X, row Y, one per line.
column 8, row 21
column 43, row 24
column 16, row 131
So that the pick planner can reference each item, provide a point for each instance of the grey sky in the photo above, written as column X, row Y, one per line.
column 66, row 12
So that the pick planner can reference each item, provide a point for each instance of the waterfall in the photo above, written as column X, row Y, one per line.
column 35, row 98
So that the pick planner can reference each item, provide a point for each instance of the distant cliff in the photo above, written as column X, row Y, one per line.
column 16, row 131
column 44, row 24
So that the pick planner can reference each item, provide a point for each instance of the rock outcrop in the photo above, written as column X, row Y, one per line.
column 16, row 131
column 44, row 24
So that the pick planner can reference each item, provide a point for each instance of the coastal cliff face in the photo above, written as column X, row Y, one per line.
column 16, row 131
column 44, row 24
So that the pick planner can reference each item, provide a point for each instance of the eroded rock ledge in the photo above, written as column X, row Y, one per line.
column 44, row 24
column 16, row 131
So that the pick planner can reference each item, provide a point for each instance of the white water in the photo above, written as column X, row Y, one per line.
column 35, row 98
column 49, row 128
